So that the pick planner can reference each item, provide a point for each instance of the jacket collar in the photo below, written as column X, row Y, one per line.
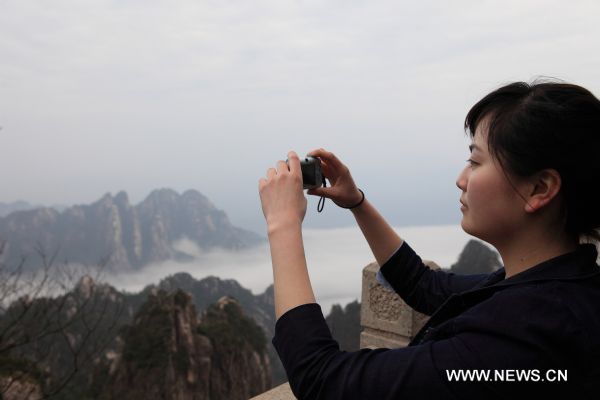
column 578, row 264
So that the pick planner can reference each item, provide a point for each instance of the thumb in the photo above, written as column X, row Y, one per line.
column 320, row 191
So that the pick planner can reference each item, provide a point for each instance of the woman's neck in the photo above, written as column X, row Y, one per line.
column 529, row 250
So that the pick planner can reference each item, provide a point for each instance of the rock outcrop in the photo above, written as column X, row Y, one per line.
column 19, row 380
column 95, row 341
column 240, row 365
column 168, row 353
column 209, row 290
column 344, row 324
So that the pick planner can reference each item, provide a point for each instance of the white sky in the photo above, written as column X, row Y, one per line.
column 101, row 96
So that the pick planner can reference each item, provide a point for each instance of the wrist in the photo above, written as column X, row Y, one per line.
column 359, row 209
column 356, row 204
column 288, row 224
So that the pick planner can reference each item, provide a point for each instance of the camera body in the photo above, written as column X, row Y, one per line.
column 312, row 177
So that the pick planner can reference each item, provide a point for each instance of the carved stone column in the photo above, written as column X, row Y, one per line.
column 387, row 321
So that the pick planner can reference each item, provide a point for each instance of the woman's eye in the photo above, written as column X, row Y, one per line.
column 470, row 161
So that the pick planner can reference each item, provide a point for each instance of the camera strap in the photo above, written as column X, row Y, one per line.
column 321, row 203
column 322, row 200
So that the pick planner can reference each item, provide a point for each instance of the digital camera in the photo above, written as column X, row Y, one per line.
column 312, row 176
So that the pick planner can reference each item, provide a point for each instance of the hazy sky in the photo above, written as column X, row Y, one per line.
column 102, row 96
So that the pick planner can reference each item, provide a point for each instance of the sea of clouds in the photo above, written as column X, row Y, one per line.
column 335, row 259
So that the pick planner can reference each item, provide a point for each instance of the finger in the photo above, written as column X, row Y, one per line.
column 271, row 172
column 328, row 157
column 331, row 169
column 320, row 191
column 294, row 163
column 315, row 153
column 314, row 192
column 326, row 168
column 282, row 167
column 262, row 182
column 320, row 152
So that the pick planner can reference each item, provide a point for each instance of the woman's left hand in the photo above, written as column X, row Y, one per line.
column 281, row 193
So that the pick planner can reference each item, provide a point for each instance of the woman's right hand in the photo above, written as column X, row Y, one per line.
column 343, row 190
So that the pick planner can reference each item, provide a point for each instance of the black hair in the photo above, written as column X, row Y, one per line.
column 548, row 125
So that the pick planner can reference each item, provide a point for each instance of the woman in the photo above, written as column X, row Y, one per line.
column 530, row 189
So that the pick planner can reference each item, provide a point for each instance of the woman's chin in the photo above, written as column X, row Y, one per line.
column 464, row 224
column 469, row 230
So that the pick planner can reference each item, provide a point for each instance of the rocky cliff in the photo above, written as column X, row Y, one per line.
column 168, row 353
column 73, row 345
column 209, row 290
column 118, row 234
column 240, row 365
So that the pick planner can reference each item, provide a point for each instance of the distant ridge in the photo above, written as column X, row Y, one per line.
column 19, row 205
column 122, row 235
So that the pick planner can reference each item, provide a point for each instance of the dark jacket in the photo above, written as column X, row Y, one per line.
column 542, row 323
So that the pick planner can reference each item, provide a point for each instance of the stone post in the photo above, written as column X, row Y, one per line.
column 387, row 321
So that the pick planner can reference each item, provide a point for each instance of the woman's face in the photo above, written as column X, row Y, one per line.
column 492, row 209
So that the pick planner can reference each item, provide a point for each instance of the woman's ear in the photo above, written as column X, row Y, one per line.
column 545, row 186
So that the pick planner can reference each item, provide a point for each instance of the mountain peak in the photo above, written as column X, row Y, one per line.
column 122, row 197
column 194, row 194
column 163, row 194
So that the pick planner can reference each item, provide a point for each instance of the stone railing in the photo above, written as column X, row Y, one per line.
column 386, row 321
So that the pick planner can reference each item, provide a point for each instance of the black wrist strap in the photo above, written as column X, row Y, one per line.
column 357, row 204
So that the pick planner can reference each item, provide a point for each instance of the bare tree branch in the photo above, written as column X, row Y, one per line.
column 56, row 314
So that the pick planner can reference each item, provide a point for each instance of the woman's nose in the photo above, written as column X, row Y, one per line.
column 461, row 181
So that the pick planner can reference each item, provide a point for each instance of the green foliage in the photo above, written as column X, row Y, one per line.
column 181, row 360
column 145, row 322
column 229, row 328
column 146, row 343
column 10, row 366
column 180, row 298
